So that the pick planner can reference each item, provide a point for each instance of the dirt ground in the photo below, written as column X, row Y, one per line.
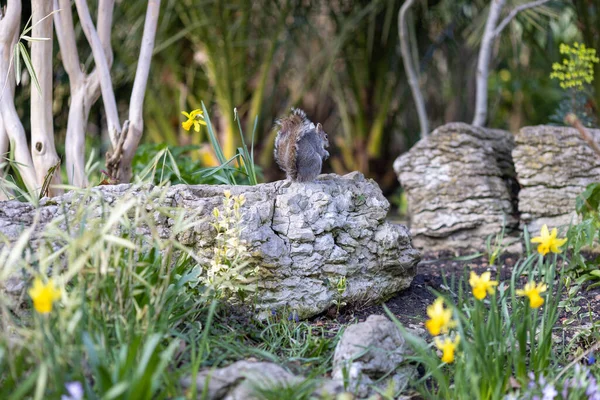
column 410, row 305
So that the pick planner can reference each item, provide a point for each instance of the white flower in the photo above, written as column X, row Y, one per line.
column 74, row 390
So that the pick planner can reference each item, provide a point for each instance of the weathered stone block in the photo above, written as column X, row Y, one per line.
column 460, row 187
column 307, row 235
column 554, row 165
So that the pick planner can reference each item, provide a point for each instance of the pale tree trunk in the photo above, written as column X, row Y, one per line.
column 43, row 151
column 4, row 143
column 9, row 28
column 491, row 32
column 85, row 89
column 136, row 104
column 483, row 62
column 413, row 78
column 5, row 193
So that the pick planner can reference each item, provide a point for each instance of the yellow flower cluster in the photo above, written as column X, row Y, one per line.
column 44, row 295
column 578, row 69
column 231, row 255
column 440, row 318
column 440, row 321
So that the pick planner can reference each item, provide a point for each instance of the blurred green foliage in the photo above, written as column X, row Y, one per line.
column 340, row 61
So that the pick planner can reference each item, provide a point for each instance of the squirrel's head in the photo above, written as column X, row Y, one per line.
column 322, row 135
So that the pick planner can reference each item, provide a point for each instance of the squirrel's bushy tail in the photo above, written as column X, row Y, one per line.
column 291, row 130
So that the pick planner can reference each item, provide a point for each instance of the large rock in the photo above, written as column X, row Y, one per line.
column 372, row 355
column 307, row 236
column 246, row 379
column 553, row 165
column 460, row 187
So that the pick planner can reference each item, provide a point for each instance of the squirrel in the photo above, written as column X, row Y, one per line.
column 300, row 147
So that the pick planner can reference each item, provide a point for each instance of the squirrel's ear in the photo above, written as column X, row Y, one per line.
column 319, row 127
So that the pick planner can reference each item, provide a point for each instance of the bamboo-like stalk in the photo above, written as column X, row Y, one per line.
column 572, row 120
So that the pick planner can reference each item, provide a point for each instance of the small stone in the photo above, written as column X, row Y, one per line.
column 368, row 351
column 240, row 380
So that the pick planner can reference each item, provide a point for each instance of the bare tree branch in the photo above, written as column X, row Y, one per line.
column 407, row 59
column 513, row 13
column 108, row 95
column 9, row 30
column 136, row 104
column 65, row 33
column 104, row 24
column 483, row 62
column 43, row 150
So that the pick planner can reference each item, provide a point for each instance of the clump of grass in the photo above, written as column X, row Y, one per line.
column 129, row 301
column 135, row 310
column 500, row 338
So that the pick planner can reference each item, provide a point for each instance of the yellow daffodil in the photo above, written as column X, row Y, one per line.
column 533, row 290
column 43, row 295
column 548, row 241
column 481, row 285
column 448, row 347
column 195, row 119
column 440, row 318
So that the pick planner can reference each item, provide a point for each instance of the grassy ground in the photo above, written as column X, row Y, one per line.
column 134, row 313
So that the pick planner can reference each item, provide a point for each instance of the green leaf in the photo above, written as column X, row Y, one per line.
column 29, row 66
column 212, row 137
column 149, row 349
column 593, row 286
column 116, row 391
column 17, row 59
column 41, row 382
column 595, row 273
column 25, row 386
column 32, row 39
